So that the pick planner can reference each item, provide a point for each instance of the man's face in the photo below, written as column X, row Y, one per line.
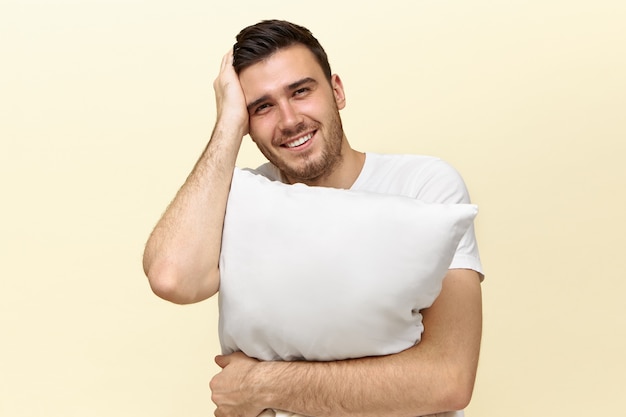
column 294, row 113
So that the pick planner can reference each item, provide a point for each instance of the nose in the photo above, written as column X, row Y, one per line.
column 289, row 116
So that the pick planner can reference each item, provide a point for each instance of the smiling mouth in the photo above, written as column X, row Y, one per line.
column 300, row 141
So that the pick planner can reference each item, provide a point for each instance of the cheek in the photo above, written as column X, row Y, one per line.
column 261, row 131
column 317, row 109
column 307, row 107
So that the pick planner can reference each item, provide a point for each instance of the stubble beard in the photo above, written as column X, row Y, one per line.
column 309, row 169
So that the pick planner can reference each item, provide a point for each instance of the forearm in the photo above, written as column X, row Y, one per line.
column 434, row 376
column 182, row 254
column 387, row 386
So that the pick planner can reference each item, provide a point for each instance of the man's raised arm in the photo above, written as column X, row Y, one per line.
column 182, row 254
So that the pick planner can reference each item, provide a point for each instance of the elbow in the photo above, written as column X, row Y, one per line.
column 458, row 398
column 165, row 284
column 458, row 389
column 166, row 287
column 170, row 284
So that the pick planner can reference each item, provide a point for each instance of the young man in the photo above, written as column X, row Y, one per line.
column 278, row 88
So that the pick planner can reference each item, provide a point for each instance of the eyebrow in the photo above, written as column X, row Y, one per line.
column 293, row 86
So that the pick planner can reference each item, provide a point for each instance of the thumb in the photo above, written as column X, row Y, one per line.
column 222, row 360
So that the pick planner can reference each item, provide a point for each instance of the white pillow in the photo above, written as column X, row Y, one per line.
column 318, row 273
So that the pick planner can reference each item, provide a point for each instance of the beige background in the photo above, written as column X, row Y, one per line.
column 105, row 105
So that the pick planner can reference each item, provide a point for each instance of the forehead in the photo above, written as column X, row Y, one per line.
column 279, row 70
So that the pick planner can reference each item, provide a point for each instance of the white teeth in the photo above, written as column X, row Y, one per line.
column 300, row 141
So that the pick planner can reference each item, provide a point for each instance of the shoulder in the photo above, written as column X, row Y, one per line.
column 427, row 178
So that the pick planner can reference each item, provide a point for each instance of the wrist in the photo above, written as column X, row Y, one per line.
column 263, row 383
column 231, row 126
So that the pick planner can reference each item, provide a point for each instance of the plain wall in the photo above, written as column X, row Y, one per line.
column 106, row 105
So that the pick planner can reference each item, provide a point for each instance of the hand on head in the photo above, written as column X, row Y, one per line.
column 229, row 98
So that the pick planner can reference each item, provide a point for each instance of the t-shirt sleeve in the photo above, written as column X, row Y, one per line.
column 442, row 183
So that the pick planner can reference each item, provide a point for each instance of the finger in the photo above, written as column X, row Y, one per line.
column 227, row 59
column 222, row 360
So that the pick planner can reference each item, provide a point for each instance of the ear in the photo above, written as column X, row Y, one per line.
column 340, row 96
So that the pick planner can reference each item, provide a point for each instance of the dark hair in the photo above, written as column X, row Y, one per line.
column 257, row 42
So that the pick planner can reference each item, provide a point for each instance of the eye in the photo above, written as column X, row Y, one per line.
column 301, row 91
column 262, row 108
